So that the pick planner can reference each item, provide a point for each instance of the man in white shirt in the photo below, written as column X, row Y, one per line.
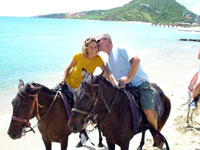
column 126, row 68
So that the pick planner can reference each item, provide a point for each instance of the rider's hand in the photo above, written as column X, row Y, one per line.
column 124, row 80
column 62, row 82
column 121, row 86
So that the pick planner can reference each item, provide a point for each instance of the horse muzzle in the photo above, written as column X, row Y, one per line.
column 14, row 134
column 75, row 127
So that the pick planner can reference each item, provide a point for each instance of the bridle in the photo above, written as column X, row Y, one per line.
column 35, row 105
column 95, row 96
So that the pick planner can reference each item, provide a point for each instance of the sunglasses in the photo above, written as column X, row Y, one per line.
column 98, row 41
column 88, row 40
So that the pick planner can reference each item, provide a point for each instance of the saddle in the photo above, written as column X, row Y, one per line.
column 135, row 106
column 67, row 92
column 157, row 99
column 134, row 91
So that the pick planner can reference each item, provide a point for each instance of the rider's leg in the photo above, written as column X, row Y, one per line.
column 195, row 96
column 147, row 103
column 196, row 90
column 151, row 118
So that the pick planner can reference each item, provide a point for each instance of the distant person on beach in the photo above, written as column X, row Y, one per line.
column 196, row 90
column 126, row 69
column 87, row 59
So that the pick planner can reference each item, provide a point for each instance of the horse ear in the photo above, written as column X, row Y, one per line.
column 99, row 77
column 102, row 73
column 84, row 72
column 20, row 84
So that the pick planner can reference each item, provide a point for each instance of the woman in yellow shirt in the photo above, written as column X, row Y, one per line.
column 88, row 60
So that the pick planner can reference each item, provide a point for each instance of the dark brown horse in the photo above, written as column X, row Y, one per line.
column 35, row 100
column 97, row 96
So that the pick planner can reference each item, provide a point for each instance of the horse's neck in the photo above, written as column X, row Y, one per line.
column 46, row 101
column 114, row 97
column 120, row 107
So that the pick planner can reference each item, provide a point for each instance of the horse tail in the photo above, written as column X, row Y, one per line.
column 167, row 109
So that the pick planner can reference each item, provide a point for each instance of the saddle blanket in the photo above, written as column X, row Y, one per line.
column 67, row 107
column 136, row 114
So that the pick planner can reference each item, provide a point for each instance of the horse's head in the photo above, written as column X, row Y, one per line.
column 86, row 98
column 23, row 109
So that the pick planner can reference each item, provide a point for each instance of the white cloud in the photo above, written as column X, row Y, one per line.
column 192, row 5
column 37, row 7
column 196, row 8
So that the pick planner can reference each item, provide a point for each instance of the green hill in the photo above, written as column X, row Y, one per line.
column 155, row 11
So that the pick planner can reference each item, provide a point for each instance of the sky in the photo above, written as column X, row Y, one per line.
column 25, row 8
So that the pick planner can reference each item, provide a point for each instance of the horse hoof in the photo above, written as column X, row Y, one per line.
column 79, row 144
column 139, row 148
column 158, row 142
column 100, row 145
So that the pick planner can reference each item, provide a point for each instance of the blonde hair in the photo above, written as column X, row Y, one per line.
column 85, row 46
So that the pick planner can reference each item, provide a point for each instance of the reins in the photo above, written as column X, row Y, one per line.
column 35, row 105
column 94, row 96
column 109, row 110
column 26, row 121
column 97, row 97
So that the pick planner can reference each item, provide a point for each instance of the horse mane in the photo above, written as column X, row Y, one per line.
column 109, row 84
column 106, row 81
column 43, row 88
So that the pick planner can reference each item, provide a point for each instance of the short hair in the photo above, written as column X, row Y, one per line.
column 85, row 45
column 106, row 36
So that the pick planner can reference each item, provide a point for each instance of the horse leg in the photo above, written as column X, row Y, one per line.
column 142, row 141
column 64, row 144
column 125, row 145
column 111, row 146
column 100, row 138
column 164, row 140
column 191, row 116
column 188, row 113
column 47, row 143
column 188, row 117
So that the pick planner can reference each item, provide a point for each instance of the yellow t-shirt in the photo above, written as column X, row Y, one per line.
column 75, row 76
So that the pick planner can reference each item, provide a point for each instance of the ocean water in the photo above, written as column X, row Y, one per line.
column 39, row 49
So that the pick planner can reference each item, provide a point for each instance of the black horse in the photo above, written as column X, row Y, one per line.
column 97, row 96
column 35, row 100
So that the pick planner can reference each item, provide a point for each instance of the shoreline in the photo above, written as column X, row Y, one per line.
column 192, row 30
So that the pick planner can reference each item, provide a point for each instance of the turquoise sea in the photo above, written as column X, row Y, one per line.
column 39, row 49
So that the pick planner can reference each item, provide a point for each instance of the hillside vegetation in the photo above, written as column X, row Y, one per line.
column 155, row 11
